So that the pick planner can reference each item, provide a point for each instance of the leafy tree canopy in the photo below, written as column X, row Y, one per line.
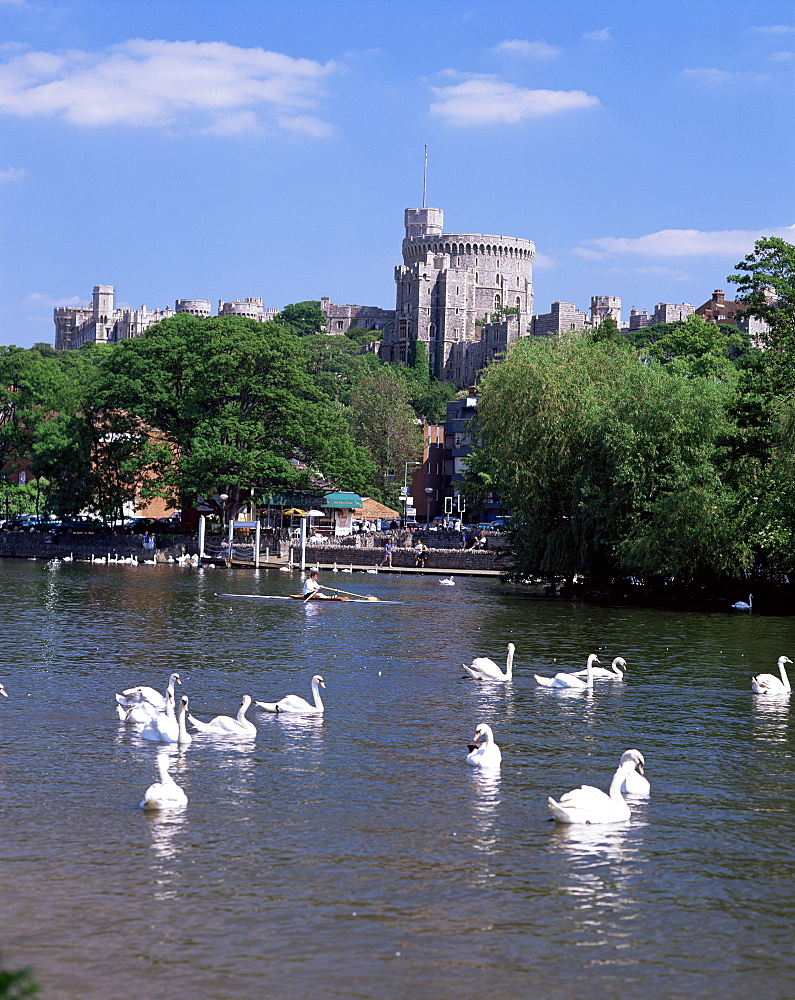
column 233, row 399
column 765, row 282
column 609, row 465
column 303, row 318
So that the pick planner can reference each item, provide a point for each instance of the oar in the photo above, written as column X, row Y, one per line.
column 364, row 597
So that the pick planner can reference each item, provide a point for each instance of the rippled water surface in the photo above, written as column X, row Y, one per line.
column 356, row 855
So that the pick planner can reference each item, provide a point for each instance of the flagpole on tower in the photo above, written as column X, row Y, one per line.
column 425, row 179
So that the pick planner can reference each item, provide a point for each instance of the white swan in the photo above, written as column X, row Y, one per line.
column 611, row 673
column 635, row 782
column 143, row 695
column 484, row 669
column 742, row 606
column 165, row 727
column 570, row 680
column 3, row 691
column 224, row 725
column 488, row 754
column 166, row 793
column 770, row 684
column 447, row 582
column 587, row 804
column 292, row 702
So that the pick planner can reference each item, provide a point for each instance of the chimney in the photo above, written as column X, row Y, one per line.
column 718, row 296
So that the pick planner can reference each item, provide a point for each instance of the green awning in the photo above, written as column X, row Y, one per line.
column 300, row 498
column 341, row 500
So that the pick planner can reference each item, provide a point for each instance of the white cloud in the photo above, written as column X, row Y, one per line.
column 601, row 35
column 775, row 29
column 544, row 261
column 527, row 50
column 202, row 86
column 11, row 174
column 780, row 56
column 43, row 299
column 682, row 243
column 486, row 101
column 718, row 77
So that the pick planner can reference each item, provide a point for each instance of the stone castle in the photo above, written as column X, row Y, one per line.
column 466, row 297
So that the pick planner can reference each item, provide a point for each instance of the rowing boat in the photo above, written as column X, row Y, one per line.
column 312, row 600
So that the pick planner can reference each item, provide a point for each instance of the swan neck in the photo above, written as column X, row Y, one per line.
column 784, row 677
column 183, row 729
column 618, row 781
column 316, row 694
column 509, row 663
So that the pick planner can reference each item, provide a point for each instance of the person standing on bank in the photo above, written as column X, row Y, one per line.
column 420, row 554
column 387, row 560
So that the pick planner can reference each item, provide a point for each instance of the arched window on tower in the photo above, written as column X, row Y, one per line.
column 497, row 301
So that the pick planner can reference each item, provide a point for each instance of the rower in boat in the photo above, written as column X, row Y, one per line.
column 312, row 588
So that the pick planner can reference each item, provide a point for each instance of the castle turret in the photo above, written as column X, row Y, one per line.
column 424, row 222
column 104, row 296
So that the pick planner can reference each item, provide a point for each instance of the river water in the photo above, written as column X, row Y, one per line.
column 356, row 855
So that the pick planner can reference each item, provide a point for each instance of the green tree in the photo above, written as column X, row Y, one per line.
column 695, row 348
column 336, row 364
column 234, row 402
column 303, row 318
column 385, row 425
column 361, row 336
column 765, row 282
column 609, row 465
column 18, row 984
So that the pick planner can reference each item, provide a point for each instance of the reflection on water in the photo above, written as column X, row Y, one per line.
column 770, row 718
column 355, row 853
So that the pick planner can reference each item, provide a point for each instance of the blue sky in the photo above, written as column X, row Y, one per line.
column 203, row 149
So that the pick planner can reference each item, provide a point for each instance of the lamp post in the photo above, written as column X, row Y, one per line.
column 223, row 497
column 428, row 495
column 406, row 487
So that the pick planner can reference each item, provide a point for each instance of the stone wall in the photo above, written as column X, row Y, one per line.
column 48, row 545
column 469, row 559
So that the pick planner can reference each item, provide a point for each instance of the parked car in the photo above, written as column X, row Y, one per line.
column 498, row 524
column 170, row 523
column 446, row 522
column 139, row 525
column 82, row 522
column 33, row 522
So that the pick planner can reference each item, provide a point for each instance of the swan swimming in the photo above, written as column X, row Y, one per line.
column 165, row 727
column 484, row 669
column 166, row 793
column 770, row 684
column 3, row 691
column 143, row 695
column 587, row 804
column 742, row 606
column 225, row 725
column 635, row 783
column 293, row 703
column 488, row 754
column 447, row 582
column 570, row 680
column 611, row 673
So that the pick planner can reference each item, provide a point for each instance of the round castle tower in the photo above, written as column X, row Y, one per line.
column 449, row 284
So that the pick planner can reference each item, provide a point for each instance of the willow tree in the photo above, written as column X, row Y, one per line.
column 609, row 464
